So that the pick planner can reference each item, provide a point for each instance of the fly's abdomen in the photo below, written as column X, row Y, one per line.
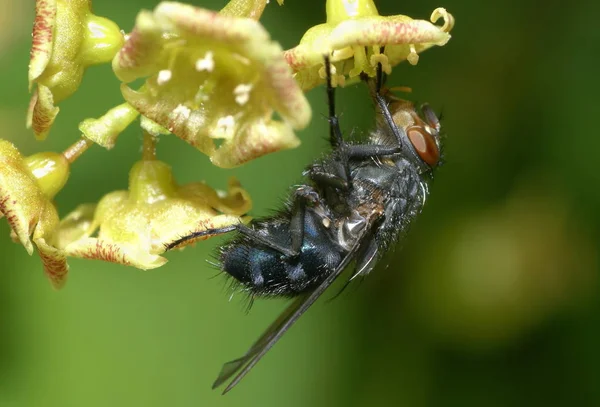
column 265, row 271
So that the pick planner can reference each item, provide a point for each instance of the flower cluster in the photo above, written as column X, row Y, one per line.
column 214, row 79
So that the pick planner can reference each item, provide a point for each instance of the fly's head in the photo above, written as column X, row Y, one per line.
column 419, row 131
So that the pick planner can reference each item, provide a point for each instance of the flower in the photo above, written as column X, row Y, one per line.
column 354, row 35
column 134, row 227
column 130, row 227
column 27, row 187
column 214, row 81
column 67, row 38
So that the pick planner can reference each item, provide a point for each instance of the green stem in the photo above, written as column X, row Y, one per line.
column 149, row 147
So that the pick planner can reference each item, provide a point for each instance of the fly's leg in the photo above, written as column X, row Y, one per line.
column 326, row 178
column 372, row 150
column 202, row 233
column 381, row 102
column 335, row 133
column 303, row 197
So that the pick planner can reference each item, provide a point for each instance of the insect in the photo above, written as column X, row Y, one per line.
column 355, row 204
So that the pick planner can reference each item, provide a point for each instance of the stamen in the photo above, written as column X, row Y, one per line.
column 336, row 80
column 413, row 57
column 379, row 58
column 341, row 54
column 360, row 63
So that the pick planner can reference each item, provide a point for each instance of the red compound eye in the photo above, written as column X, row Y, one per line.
column 424, row 143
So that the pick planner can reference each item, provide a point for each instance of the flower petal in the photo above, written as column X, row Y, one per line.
column 41, row 48
column 21, row 200
column 126, row 254
column 313, row 45
column 75, row 225
column 142, row 53
column 235, row 202
column 104, row 130
column 259, row 139
column 41, row 112
column 53, row 259
column 386, row 31
column 152, row 127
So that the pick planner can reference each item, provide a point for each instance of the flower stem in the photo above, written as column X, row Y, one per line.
column 244, row 8
column 149, row 147
column 74, row 151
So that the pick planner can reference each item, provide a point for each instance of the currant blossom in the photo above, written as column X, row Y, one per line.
column 27, row 188
column 213, row 80
column 134, row 227
column 355, row 34
column 67, row 38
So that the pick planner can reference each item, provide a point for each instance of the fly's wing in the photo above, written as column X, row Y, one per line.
column 240, row 367
column 266, row 340
column 366, row 258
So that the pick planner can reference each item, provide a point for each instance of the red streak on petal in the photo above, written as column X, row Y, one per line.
column 43, row 25
column 132, row 51
column 106, row 251
column 55, row 268
column 11, row 217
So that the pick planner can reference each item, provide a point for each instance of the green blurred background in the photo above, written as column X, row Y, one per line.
column 492, row 299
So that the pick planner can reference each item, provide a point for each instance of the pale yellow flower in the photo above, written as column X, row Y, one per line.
column 134, row 227
column 213, row 80
column 27, row 187
column 67, row 38
column 354, row 35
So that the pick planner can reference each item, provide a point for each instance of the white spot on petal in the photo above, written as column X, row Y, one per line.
column 225, row 127
column 207, row 63
column 164, row 76
column 182, row 110
column 242, row 93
